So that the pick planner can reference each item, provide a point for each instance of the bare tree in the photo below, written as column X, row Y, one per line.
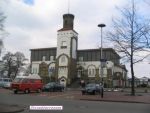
column 131, row 36
column 2, row 18
column 19, row 61
column 2, row 31
column 9, row 63
column 1, row 46
column 13, row 63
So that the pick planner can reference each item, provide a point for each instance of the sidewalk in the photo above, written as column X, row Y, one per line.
column 118, row 97
column 7, row 108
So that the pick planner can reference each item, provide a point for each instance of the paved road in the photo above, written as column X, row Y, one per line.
column 70, row 105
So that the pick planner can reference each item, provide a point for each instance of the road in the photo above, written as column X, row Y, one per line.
column 69, row 104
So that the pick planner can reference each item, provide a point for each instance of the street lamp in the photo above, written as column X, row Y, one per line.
column 101, row 60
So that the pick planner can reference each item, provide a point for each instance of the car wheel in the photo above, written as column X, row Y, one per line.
column 27, row 91
column 93, row 92
column 50, row 90
column 39, row 90
column 63, row 89
column 15, row 92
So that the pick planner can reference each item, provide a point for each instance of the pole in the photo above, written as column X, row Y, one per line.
column 101, row 60
column 101, row 55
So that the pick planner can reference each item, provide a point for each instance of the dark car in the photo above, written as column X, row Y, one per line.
column 53, row 86
column 92, row 88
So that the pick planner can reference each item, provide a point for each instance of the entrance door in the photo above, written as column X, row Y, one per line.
column 63, row 82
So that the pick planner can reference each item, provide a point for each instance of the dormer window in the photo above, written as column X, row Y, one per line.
column 43, row 58
column 51, row 58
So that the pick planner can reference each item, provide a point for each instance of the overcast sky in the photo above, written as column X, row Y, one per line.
column 34, row 24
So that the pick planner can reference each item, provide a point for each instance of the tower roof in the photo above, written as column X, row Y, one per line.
column 68, row 22
column 68, row 15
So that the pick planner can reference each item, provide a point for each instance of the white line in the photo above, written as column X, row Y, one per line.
column 62, row 95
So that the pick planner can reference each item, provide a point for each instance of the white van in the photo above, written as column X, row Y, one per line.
column 5, row 82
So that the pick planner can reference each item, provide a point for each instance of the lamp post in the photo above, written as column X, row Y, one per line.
column 101, row 26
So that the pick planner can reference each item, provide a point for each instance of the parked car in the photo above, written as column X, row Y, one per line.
column 5, row 82
column 32, row 82
column 142, row 85
column 92, row 88
column 53, row 86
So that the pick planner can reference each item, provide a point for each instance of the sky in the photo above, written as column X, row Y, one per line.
column 34, row 24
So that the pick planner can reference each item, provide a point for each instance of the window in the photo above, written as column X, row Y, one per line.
column 51, row 58
column 34, row 70
column 25, row 80
column 5, row 80
column 63, row 59
column 64, row 44
column 80, row 58
column 63, row 71
column 104, row 72
column 93, row 56
column 91, row 71
column 89, row 55
column 43, row 58
column 52, row 69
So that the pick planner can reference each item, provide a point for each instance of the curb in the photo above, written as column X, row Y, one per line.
column 122, row 101
column 5, row 108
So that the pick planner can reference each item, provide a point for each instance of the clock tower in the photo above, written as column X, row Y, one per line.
column 67, row 43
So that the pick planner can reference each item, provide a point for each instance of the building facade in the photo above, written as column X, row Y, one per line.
column 139, row 82
column 66, row 64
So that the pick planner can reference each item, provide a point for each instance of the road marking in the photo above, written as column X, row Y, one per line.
column 63, row 95
column 69, row 97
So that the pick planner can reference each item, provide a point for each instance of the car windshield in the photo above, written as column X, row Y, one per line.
column 6, row 80
column 17, row 80
column 50, row 84
column 90, row 85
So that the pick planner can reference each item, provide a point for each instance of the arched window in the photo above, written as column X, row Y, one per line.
column 63, row 59
column 91, row 71
column 51, row 69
